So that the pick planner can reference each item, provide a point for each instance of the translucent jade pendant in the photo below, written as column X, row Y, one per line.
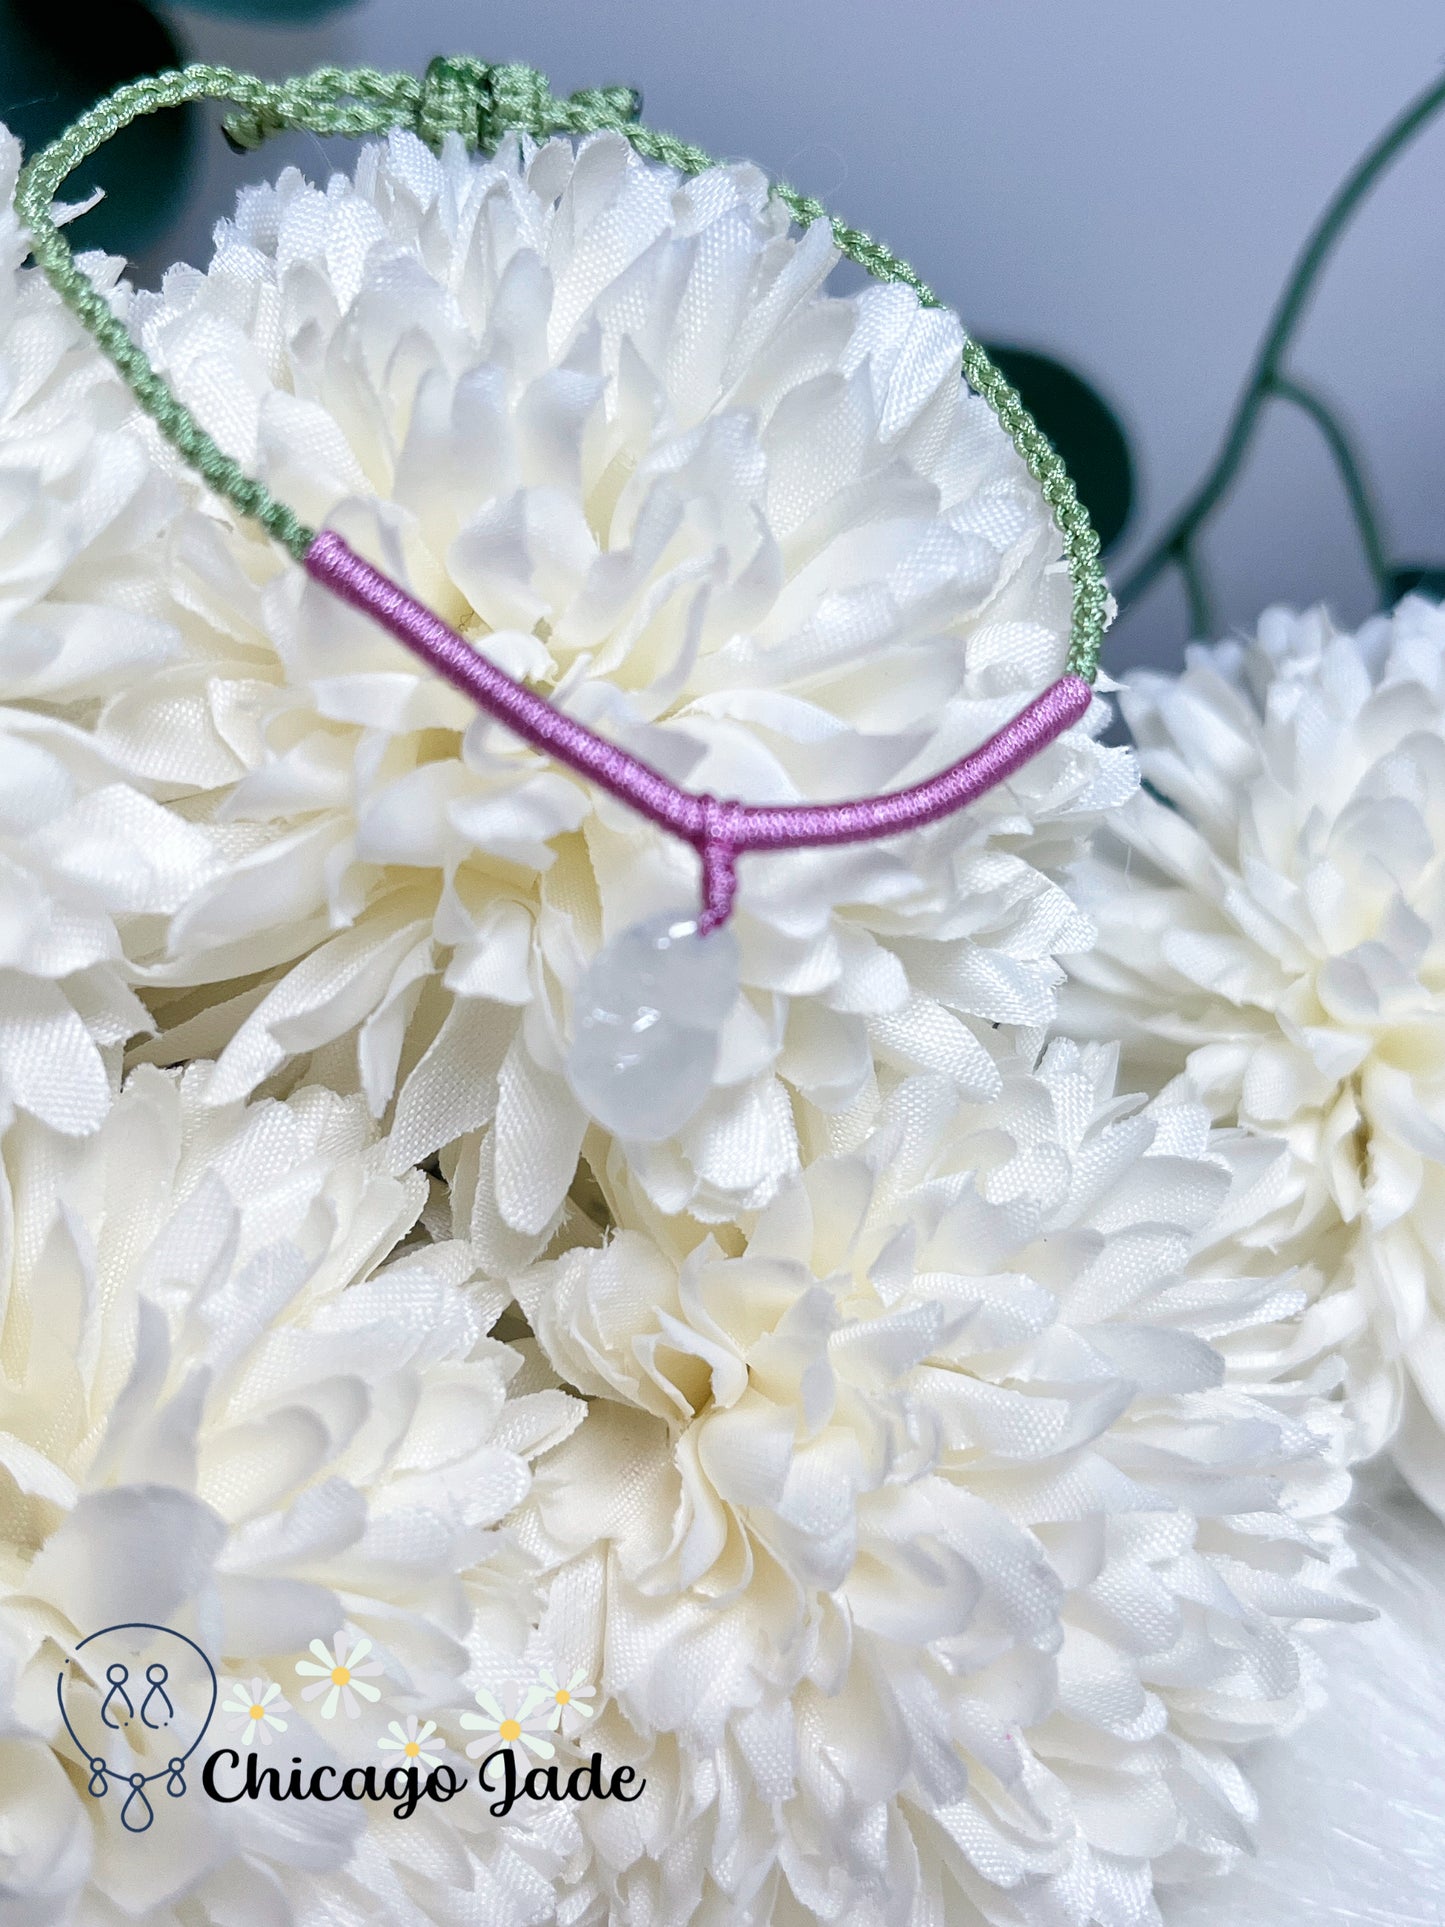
column 646, row 1021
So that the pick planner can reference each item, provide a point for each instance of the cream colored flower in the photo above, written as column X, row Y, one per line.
column 935, row 1545
column 567, row 1700
column 341, row 1672
column 254, row 1708
column 235, row 1399
column 413, row 1741
column 524, row 1725
column 608, row 423
column 1276, row 927
column 84, row 604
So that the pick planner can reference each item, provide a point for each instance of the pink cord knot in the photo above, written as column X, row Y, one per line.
column 717, row 845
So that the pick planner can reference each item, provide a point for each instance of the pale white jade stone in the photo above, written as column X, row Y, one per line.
column 646, row 1019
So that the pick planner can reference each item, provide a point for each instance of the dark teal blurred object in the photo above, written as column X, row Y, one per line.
column 1083, row 429
column 57, row 60
column 283, row 12
column 1411, row 578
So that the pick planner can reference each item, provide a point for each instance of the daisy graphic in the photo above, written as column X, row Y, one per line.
column 339, row 1674
column 571, row 1698
column 411, row 1741
column 522, row 1727
column 257, row 1706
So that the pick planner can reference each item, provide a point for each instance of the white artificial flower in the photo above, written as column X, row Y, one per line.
column 234, row 1401
column 1274, row 924
column 608, row 423
column 84, row 516
column 255, row 1708
column 413, row 1741
column 343, row 1673
column 930, row 1538
column 524, row 1725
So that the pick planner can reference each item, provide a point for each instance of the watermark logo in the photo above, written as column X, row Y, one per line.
column 136, row 1699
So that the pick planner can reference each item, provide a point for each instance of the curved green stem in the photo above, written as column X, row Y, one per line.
column 1196, row 588
column 1352, row 474
column 1174, row 545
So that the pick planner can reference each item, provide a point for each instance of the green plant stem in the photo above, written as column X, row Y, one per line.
column 1196, row 589
column 1175, row 545
column 1352, row 474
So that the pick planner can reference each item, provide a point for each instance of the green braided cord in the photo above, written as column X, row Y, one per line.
column 39, row 183
column 480, row 103
column 1081, row 542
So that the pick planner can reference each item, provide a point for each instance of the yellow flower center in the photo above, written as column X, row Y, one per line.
column 562, row 1696
column 258, row 1712
column 509, row 1730
column 340, row 1676
column 411, row 1749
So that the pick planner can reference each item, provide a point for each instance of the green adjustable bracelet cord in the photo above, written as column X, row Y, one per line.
column 480, row 103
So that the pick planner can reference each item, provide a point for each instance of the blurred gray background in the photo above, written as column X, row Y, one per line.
column 1120, row 183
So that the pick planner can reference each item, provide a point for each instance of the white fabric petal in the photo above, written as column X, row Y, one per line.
column 233, row 1406
column 1277, row 934
column 608, row 422
column 922, row 1512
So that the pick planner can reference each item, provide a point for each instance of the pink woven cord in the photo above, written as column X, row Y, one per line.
column 720, row 831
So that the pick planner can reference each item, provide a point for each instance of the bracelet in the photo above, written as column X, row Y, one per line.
column 481, row 103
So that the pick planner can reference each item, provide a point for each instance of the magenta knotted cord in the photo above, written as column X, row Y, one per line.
column 720, row 831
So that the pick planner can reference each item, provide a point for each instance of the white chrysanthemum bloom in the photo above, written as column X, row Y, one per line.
column 1278, row 931
column 608, row 423
column 230, row 1405
column 931, row 1542
column 83, row 510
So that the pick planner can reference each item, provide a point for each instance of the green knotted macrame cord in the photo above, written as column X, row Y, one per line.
column 481, row 104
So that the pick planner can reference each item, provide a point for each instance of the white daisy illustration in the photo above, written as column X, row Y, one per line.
column 569, row 1698
column 338, row 1672
column 523, row 1727
column 411, row 1741
column 256, row 1706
